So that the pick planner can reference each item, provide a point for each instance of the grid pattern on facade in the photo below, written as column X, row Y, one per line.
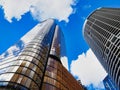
column 102, row 32
column 26, row 71
column 38, row 66
column 108, row 83
column 58, row 78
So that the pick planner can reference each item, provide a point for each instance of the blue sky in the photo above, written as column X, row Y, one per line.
column 18, row 19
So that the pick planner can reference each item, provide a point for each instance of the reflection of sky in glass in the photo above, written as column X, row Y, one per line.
column 6, row 77
column 62, row 45
column 8, row 61
column 10, row 64
column 58, row 44
column 18, row 47
column 3, row 83
column 5, row 66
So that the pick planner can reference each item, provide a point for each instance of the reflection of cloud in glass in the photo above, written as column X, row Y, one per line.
column 6, row 76
column 15, row 49
column 7, row 65
column 64, row 61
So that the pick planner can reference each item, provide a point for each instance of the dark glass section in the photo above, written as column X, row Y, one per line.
column 58, row 45
column 102, row 33
column 108, row 83
column 58, row 78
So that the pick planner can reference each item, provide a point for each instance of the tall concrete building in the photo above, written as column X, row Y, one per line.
column 34, row 63
column 102, row 33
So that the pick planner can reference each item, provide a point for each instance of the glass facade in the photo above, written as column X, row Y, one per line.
column 26, row 71
column 38, row 66
column 58, row 44
column 58, row 78
column 102, row 33
column 108, row 83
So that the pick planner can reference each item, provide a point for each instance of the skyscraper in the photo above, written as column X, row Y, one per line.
column 34, row 62
column 102, row 33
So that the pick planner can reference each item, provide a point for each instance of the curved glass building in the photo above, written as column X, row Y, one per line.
column 102, row 33
column 38, row 65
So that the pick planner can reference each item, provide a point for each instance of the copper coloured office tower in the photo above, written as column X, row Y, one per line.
column 38, row 65
column 102, row 33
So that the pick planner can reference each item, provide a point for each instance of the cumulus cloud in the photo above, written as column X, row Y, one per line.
column 88, row 69
column 15, row 8
column 64, row 61
column 40, row 9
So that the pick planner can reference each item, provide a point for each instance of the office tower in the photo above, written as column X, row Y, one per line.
column 108, row 83
column 34, row 62
column 102, row 33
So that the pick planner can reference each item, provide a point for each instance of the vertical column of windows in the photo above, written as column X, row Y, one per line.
column 58, row 78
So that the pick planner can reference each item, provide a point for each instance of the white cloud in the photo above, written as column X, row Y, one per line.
column 88, row 69
column 15, row 8
column 40, row 9
column 64, row 61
